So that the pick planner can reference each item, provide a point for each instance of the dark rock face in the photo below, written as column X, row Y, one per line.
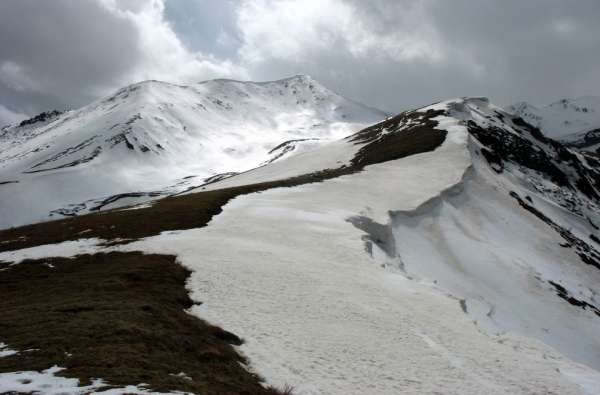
column 586, row 252
column 564, row 294
column 516, row 144
column 42, row 117
column 502, row 146
column 589, row 139
column 66, row 153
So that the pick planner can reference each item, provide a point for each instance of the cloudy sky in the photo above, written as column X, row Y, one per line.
column 392, row 54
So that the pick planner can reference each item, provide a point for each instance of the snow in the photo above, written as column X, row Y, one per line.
column 562, row 119
column 338, row 153
column 151, row 135
column 46, row 382
column 480, row 246
column 286, row 271
column 588, row 381
column 329, row 155
column 5, row 351
column 476, row 243
column 65, row 249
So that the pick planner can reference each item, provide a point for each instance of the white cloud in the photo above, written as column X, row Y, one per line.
column 393, row 54
column 293, row 29
column 64, row 53
column 396, row 54
column 162, row 54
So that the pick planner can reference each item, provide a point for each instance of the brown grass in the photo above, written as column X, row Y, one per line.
column 121, row 318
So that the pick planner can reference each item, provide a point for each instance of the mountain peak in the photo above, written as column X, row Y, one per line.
column 301, row 77
column 297, row 77
column 168, row 132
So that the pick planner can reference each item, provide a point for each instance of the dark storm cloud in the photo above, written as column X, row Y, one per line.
column 65, row 53
column 393, row 54
column 537, row 50
column 533, row 50
column 61, row 53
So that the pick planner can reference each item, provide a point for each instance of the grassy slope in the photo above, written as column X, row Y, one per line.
column 118, row 316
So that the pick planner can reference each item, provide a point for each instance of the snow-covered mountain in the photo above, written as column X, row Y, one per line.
column 154, row 138
column 451, row 249
column 575, row 121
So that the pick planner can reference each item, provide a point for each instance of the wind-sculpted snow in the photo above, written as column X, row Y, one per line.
column 500, row 261
column 515, row 243
column 149, row 136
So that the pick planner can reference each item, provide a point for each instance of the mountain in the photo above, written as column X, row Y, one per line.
column 575, row 121
column 451, row 249
column 153, row 138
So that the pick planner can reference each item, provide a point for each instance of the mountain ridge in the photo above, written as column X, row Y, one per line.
column 154, row 138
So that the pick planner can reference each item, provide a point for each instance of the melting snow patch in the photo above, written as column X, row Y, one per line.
column 5, row 351
column 46, row 382
column 65, row 249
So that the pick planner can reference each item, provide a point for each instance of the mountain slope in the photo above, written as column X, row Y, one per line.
column 575, row 121
column 451, row 249
column 153, row 138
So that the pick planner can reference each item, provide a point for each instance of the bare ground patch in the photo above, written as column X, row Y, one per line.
column 119, row 317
